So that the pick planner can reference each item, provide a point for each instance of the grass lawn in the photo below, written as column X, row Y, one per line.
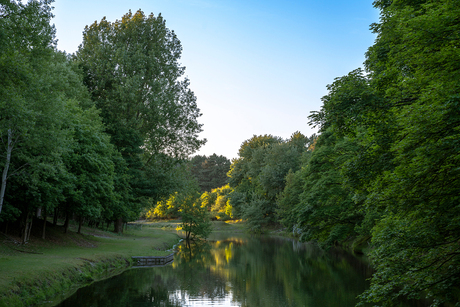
column 217, row 226
column 41, row 263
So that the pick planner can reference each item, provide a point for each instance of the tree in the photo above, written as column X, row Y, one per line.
column 326, row 211
column 259, row 175
column 217, row 201
column 40, row 89
column 412, row 62
column 289, row 199
column 91, row 167
column 131, row 68
column 195, row 216
column 27, row 44
column 210, row 172
column 245, row 169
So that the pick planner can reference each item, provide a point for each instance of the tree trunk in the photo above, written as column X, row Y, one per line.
column 55, row 217
column 25, row 229
column 30, row 227
column 24, row 233
column 9, row 149
column 80, row 222
column 118, row 225
column 66, row 223
column 44, row 223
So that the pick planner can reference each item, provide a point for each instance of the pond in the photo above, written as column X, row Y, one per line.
column 237, row 270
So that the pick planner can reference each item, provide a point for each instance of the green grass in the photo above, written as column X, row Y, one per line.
column 43, row 268
column 217, row 226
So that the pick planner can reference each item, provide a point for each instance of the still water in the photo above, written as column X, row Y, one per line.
column 237, row 271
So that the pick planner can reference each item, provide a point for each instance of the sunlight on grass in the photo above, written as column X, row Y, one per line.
column 234, row 221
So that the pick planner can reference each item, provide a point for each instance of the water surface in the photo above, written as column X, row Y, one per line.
column 237, row 270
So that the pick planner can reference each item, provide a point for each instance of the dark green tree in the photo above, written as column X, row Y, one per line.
column 26, row 41
column 210, row 172
column 413, row 63
column 41, row 93
column 131, row 68
column 288, row 200
column 403, row 118
column 245, row 169
column 326, row 212
column 260, row 176
column 90, row 166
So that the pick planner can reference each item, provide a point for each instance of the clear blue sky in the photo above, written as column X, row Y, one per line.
column 256, row 67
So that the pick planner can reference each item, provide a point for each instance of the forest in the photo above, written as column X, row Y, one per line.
column 95, row 136
column 108, row 134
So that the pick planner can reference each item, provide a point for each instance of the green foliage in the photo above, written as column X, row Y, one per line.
column 166, row 208
column 288, row 199
column 387, row 161
column 29, row 128
column 326, row 211
column 237, row 201
column 188, row 205
column 132, row 70
column 101, row 154
column 210, row 172
column 47, row 114
column 195, row 217
column 414, row 240
column 90, row 166
column 218, row 203
column 258, row 213
column 259, row 176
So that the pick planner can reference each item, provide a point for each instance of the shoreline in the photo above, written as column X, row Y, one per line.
column 44, row 272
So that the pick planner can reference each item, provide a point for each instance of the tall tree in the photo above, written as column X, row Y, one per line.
column 413, row 63
column 90, row 166
column 131, row 67
column 26, row 41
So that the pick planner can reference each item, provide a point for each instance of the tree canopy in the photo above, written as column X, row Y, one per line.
column 210, row 172
column 97, row 135
column 131, row 68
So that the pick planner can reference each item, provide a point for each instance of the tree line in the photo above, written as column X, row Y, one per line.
column 97, row 135
column 385, row 166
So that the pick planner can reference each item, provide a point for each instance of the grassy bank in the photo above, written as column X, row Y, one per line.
column 42, row 269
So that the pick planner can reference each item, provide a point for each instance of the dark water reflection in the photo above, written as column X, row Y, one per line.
column 237, row 271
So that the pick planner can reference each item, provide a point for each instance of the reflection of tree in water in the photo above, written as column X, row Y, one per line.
column 192, row 268
column 269, row 272
column 137, row 287
column 252, row 271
